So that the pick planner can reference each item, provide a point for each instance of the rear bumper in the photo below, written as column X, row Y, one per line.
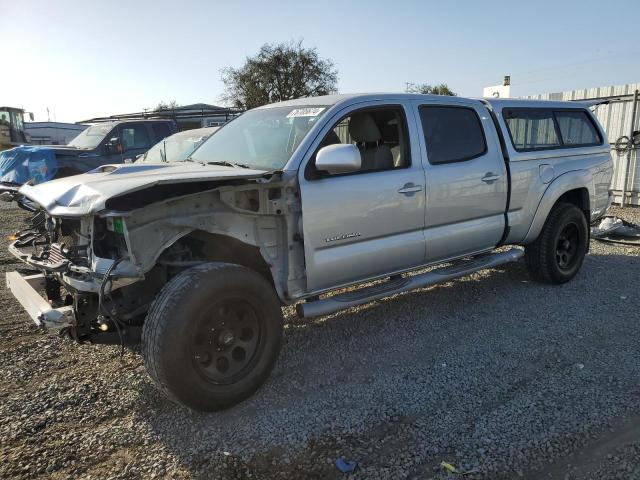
column 38, row 308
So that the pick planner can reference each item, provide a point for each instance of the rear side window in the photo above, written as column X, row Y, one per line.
column 531, row 129
column 452, row 134
column 534, row 129
column 577, row 129
column 160, row 131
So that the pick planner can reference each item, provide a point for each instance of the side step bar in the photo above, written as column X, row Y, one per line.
column 458, row 269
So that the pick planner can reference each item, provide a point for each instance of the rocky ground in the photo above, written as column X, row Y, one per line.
column 492, row 373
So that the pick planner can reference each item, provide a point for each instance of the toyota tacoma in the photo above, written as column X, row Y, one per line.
column 291, row 202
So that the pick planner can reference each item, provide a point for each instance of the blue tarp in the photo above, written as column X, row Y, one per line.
column 23, row 164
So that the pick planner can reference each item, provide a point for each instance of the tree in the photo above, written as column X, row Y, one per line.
column 166, row 106
column 278, row 72
column 442, row 89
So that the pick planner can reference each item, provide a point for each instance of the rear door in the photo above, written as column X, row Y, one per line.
column 370, row 222
column 466, row 178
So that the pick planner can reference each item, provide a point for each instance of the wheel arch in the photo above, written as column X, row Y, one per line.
column 578, row 197
column 230, row 234
column 217, row 247
column 573, row 187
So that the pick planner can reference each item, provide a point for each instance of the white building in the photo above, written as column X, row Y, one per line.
column 499, row 91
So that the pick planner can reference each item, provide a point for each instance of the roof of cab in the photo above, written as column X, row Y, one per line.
column 330, row 100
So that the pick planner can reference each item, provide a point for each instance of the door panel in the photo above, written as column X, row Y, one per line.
column 364, row 224
column 359, row 226
column 466, row 198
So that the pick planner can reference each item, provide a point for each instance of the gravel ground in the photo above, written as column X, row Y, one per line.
column 491, row 373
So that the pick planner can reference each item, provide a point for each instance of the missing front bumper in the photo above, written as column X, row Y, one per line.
column 39, row 309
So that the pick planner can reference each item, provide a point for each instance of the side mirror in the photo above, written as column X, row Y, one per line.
column 339, row 158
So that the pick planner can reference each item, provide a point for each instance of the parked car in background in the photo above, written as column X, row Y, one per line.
column 99, row 144
column 178, row 147
column 291, row 201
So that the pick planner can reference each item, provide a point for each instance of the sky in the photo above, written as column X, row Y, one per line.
column 82, row 59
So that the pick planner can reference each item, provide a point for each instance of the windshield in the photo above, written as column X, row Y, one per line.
column 91, row 137
column 264, row 138
column 176, row 148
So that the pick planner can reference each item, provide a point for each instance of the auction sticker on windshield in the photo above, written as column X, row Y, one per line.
column 305, row 112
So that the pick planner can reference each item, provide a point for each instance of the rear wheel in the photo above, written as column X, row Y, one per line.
column 212, row 336
column 557, row 254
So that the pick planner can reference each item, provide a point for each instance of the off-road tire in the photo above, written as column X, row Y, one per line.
column 171, row 325
column 542, row 257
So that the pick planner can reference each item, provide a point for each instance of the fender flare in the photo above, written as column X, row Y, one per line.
column 572, row 180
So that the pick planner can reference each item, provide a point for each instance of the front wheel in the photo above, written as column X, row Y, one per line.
column 558, row 252
column 212, row 336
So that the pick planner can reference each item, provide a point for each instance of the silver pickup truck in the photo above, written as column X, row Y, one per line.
column 290, row 203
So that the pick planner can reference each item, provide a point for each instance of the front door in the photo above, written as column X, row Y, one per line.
column 111, row 148
column 466, row 178
column 370, row 222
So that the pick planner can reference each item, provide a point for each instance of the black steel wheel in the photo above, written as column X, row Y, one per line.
column 567, row 246
column 212, row 335
column 225, row 340
column 557, row 254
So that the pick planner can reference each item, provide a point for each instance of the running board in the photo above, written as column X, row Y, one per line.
column 457, row 269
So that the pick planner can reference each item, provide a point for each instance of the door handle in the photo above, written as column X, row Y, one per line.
column 409, row 189
column 490, row 177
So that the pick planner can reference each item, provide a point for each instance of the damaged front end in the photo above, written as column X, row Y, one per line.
column 78, row 278
column 93, row 270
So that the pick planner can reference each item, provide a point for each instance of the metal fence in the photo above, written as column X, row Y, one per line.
column 620, row 118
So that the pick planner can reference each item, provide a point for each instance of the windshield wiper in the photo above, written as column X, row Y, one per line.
column 224, row 163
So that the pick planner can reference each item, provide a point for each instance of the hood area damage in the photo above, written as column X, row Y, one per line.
column 120, row 228
column 89, row 193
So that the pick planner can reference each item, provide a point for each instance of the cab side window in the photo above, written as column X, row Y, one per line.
column 134, row 136
column 452, row 134
column 380, row 135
